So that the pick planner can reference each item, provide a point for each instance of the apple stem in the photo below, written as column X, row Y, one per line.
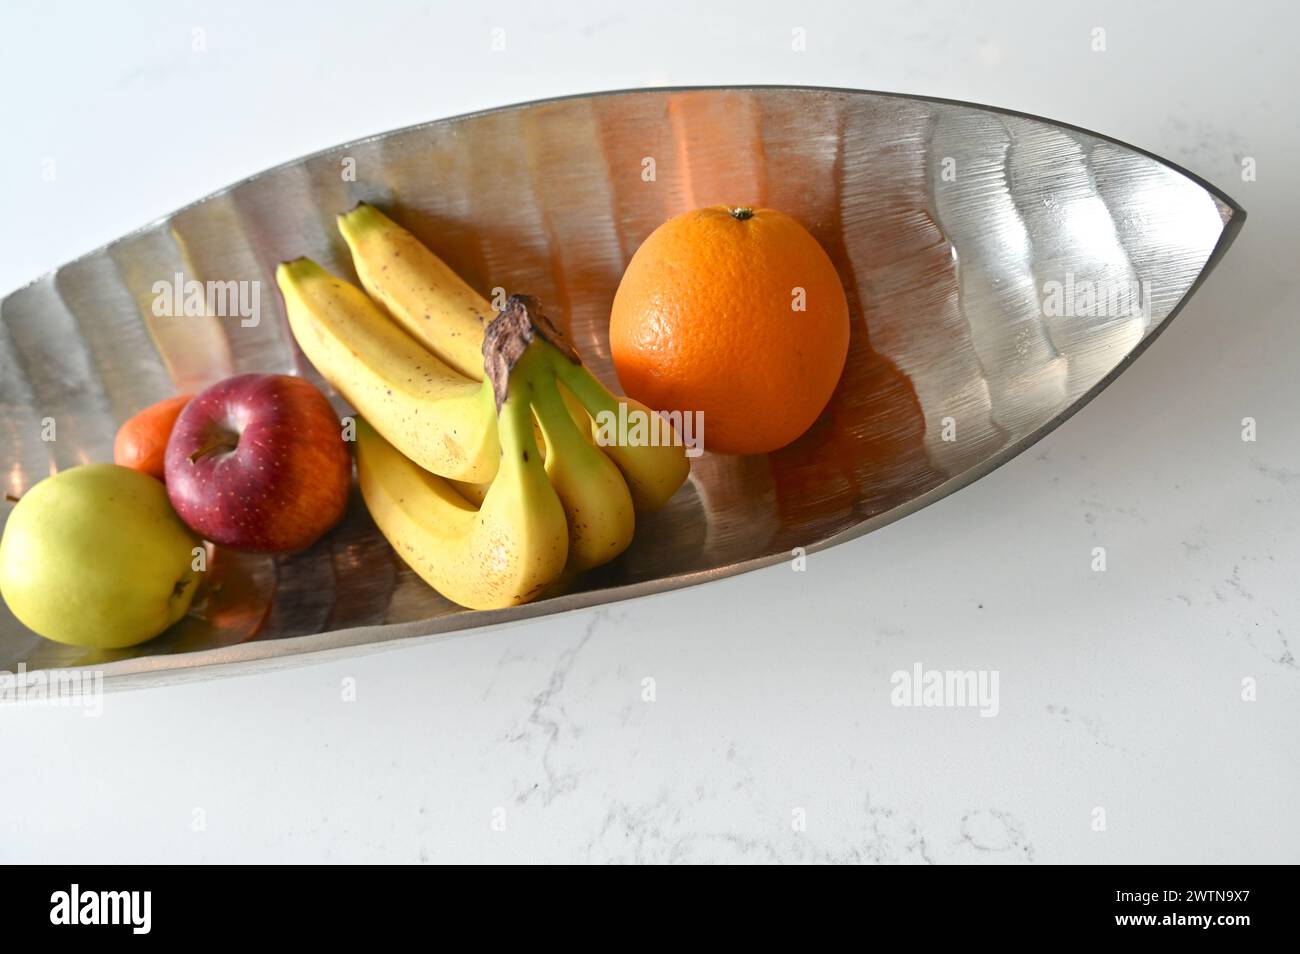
column 11, row 498
column 221, row 443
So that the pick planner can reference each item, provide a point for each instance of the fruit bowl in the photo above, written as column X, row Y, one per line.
column 1001, row 270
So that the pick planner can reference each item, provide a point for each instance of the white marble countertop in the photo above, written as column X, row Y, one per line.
column 771, row 736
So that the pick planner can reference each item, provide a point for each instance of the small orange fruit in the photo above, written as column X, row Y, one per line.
column 736, row 313
column 141, row 442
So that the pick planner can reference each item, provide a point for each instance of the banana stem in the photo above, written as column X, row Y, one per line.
column 593, row 395
column 523, row 352
column 552, row 413
column 515, row 422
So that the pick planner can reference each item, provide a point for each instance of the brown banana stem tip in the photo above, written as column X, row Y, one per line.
column 508, row 336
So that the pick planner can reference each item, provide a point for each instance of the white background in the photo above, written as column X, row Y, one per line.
column 1119, row 690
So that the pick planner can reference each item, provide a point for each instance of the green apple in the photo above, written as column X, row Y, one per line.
column 95, row 556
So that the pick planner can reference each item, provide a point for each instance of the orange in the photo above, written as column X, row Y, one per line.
column 737, row 314
column 141, row 442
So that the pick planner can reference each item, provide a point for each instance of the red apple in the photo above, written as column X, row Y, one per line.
column 258, row 462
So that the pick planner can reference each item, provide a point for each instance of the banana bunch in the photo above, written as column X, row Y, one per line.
column 448, row 317
column 475, row 449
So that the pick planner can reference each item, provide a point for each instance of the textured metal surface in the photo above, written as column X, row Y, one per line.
column 967, row 238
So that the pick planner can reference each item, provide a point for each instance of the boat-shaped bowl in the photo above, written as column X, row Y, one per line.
column 1001, row 270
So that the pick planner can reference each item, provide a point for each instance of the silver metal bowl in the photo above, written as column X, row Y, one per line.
column 1001, row 270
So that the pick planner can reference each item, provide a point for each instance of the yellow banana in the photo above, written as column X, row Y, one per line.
column 432, row 302
column 594, row 494
column 418, row 289
column 501, row 554
column 442, row 420
column 473, row 493
column 653, row 469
